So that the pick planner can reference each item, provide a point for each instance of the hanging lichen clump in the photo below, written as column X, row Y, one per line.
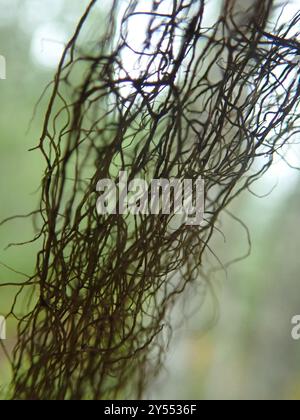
column 195, row 101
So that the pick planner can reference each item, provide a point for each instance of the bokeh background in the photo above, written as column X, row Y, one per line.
column 235, row 339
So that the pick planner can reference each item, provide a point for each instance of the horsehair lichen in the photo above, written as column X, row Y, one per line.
column 215, row 102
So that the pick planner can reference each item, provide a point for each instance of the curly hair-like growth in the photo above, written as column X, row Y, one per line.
column 212, row 100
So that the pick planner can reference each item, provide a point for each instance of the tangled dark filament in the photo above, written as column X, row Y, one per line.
column 193, row 100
